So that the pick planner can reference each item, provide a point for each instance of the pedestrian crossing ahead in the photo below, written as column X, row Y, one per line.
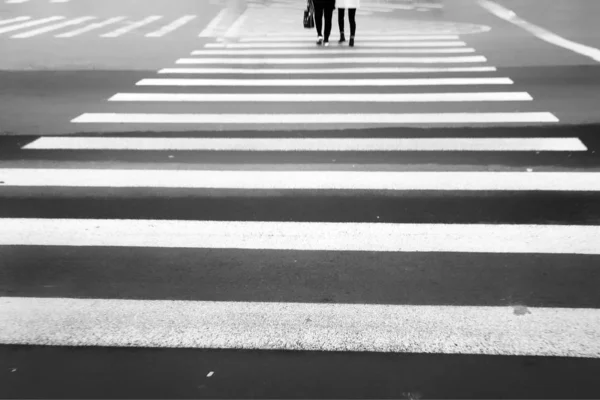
column 154, row 26
column 352, row 81
column 368, row 202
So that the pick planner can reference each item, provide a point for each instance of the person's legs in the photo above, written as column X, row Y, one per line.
column 341, row 12
column 352, row 18
column 319, row 20
column 328, row 17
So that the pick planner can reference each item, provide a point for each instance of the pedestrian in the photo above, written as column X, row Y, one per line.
column 351, row 6
column 323, row 8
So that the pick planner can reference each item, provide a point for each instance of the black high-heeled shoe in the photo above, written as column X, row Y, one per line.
column 351, row 44
column 342, row 38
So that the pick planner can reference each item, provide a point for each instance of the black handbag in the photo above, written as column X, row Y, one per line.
column 309, row 15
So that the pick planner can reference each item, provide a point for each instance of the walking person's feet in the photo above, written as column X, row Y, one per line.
column 351, row 44
column 327, row 44
column 342, row 38
column 320, row 41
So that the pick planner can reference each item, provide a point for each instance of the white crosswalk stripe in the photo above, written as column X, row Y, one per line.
column 12, row 20
column 305, row 180
column 172, row 26
column 337, row 60
column 348, row 70
column 90, row 27
column 278, row 326
column 306, row 46
column 52, row 28
column 308, row 144
column 301, row 52
column 29, row 24
column 326, row 83
column 131, row 27
column 320, row 97
column 235, row 111
column 315, row 119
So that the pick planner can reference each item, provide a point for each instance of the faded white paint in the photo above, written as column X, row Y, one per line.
column 311, row 46
column 29, row 24
column 52, row 28
column 347, row 70
column 178, row 23
column 303, row 180
column 90, row 27
column 300, row 52
column 131, row 27
column 327, row 82
column 557, row 332
column 324, row 97
column 306, row 144
column 336, row 60
column 312, row 119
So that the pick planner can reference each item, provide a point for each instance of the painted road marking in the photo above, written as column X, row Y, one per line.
column 302, row 236
column 541, row 33
column 379, row 38
column 304, row 180
column 172, row 26
column 307, row 144
column 327, row 82
column 309, row 46
column 337, row 60
column 212, row 26
column 52, row 28
column 29, row 24
column 349, row 70
column 286, row 52
column 90, row 27
column 556, row 332
column 324, row 97
column 311, row 119
column 233, row 31
column 13, row 20
column 124, row 30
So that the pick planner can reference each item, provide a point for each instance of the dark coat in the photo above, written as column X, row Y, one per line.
column 324, row 3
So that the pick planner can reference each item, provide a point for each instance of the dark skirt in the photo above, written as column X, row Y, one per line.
column 324, row 3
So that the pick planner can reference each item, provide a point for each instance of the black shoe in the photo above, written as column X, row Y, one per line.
column 351, row 44
column 320, row 41
column 342, row 38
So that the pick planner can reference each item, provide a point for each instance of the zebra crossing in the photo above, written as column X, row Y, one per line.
column 154, row 26
column 235, row 103
column 248, row 56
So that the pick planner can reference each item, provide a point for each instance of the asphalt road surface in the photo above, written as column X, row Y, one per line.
column 196, row 201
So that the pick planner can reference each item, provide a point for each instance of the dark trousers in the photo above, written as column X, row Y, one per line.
column 319, row 12
column 351, row 17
